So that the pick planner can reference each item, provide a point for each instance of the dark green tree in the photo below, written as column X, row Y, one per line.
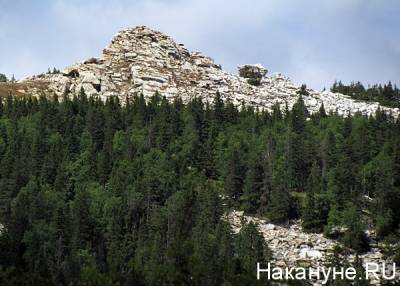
column 310, row 215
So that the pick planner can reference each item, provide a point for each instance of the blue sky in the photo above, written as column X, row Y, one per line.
column 311, row 41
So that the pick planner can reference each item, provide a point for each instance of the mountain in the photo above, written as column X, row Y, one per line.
column 141, row 60
column 95, row 192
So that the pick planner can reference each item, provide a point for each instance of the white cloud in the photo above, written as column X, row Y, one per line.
column 312, row 41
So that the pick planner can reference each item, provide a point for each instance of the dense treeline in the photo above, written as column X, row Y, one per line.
column 95, row 193
column 387, row 94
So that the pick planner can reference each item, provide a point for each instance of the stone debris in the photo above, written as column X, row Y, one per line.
column 291, row 247
column 142, row 61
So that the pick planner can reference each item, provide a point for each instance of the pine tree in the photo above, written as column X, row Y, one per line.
column 322, row 112
column 251, row 248
column 235, row 178
column 328, row 153
column 310, row 217
column 218, row 108
column 281, row 206
column 3, row 78
column 303, row 90
column 344, row 177
column 355, row 236
column 387, row 196
column 254, row 187
column 296, row 147
column 95, row 123
column 298, row 116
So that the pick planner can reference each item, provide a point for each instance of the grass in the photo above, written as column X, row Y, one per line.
column 21, row 89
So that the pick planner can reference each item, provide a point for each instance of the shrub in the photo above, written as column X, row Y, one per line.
column 254, row 81
column 3, row 78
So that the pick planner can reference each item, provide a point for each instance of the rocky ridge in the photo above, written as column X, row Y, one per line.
column 141, row 60
column 291, row 247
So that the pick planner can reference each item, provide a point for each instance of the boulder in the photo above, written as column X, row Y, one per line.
column 93, row 61
column 252, row 71
column 307, row 253
column 72, row 73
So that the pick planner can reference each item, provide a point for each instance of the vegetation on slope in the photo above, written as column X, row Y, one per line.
column 95, row 193
column 387, row 95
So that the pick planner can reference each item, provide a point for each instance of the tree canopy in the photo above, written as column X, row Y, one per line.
column 95, row 192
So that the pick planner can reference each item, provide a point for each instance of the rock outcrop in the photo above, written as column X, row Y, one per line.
column 141, row 60
column 291, row 247
column 252, row 71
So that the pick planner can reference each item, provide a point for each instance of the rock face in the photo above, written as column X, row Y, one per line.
column 291, row 247
column 141, row 60
column 252, row 71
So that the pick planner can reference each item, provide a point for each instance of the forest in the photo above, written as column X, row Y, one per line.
column 97, row 192
column 386, row 94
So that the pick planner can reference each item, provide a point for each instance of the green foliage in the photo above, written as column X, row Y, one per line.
column 251, row 248
column 387, row 94
column 252, row 77
column 254, row 81
column 297, row 151
column 312, row 220
column 235, row 178
column 355, row 236
column 257, row 188
column 281, row 207
column 3, row 78
column 93, row 192
column 90, row 276
column 303, row 90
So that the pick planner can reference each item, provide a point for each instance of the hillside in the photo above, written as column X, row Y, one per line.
column 99, row 191
column 142, row 61
column 153, row 166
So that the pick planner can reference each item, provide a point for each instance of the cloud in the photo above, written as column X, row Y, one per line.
column 315, row 41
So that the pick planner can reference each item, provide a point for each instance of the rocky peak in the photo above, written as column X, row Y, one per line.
column 143, row 45
column 142, row 61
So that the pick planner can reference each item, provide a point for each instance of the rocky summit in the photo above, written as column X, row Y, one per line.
column 142, row 61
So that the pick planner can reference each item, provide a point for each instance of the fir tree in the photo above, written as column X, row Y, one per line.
column 281, row 205
column 311, row 218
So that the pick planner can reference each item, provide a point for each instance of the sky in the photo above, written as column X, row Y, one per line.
column 312, row 41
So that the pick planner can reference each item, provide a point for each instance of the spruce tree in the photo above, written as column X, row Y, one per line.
column 251, row 248
column 281, row 207
column 310, row 216
column 355, row 236
column 235, row 178
column 253, row 188
column 296, row 146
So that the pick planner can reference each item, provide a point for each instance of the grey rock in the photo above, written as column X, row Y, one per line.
column 292, row 247
column 252, row 71
column 140, row 60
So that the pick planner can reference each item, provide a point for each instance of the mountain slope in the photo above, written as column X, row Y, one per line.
column 140, row 60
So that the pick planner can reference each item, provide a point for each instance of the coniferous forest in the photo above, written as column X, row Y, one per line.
column 386, row 94
column 100, row 193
